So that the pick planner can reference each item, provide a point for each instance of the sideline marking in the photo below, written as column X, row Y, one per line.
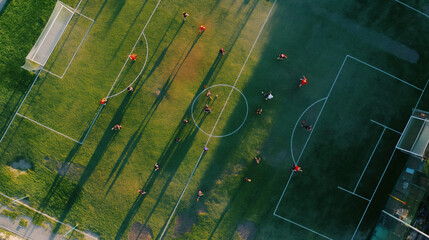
column 357, row 195
column 369, row 160
column 225, row 135
column 388, row 74
column 296, row 124
column 55, row 131
column 391, row 129
column 284, row 190
column 211, row 134
column 421, row 95
column 408, row 6
column 46, row 215
column 299, row 225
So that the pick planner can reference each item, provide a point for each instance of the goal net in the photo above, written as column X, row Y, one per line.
column 48, row 39
column 415, row 138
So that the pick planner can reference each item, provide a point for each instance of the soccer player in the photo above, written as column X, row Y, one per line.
column 257, row 159
column 141, row 192
column 259, row 111
column 199, row 195
column 156, row 167
column 206, row 149
column 130, row 89
column 185, row 15
column 303, row 81
column 296, row 168
column 222, row 51
column 247, row 179
column 269, row 97
column 281, row 56
column 103, row 101
column 185, row 121
column 116, row 127
column 133, row 57
column 207, row 109
column 202, row 29
column 306, row 126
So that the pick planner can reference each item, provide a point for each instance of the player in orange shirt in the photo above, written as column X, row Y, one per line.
column 133, row 57
column 303, row 81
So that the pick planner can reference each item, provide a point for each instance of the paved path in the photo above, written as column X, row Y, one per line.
column 32, row 232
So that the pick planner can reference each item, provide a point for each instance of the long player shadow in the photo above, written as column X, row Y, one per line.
column 169, row 166
column 98, row 154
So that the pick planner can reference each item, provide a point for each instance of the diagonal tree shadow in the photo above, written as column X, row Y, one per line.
column 98, row 154
column 169, row 166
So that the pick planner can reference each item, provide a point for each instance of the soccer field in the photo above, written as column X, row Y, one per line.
column 366, row 69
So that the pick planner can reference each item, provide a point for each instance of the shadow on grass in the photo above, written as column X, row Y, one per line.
column 169, row 166
column 128, row 31
column 98, row 154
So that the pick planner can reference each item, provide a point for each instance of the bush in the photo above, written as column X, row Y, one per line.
column 11, row 214
column 23, row 223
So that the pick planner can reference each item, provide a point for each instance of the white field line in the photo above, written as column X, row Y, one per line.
column 369, row 160
column 299, row 225
column 388, row 74
column 321, row 110
column 421, row 95
column 422, row 13
column 46, row 215
column 74, row 55
column 232, row 89
column 283, row 193
column 53, row 74
column 311, row 132
column 391, row 129
column 20, row 105
column 373, row 194
column 296, row 124
column 90, row 19
column 55, row 131
column 180, row 198
column 132, row 50
column 357, row 195
column 92, row 124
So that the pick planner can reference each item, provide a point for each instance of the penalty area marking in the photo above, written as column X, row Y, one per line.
column 299, row 225
column 53, row 130
column 220, row 85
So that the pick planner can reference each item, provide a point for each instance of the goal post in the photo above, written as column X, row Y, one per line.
column 415, row 138
column 48, row 39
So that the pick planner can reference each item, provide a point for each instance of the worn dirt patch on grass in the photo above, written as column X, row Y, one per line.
column 183, row 224
column 140, row 232
column 246, row 230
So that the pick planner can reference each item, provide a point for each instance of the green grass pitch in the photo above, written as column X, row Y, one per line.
column 366, row 64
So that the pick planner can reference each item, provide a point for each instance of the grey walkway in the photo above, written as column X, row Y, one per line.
column 32, row 232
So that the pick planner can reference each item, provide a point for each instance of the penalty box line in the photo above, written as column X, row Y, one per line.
column 373, row 194
column 53, row 130
column 299, row 225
